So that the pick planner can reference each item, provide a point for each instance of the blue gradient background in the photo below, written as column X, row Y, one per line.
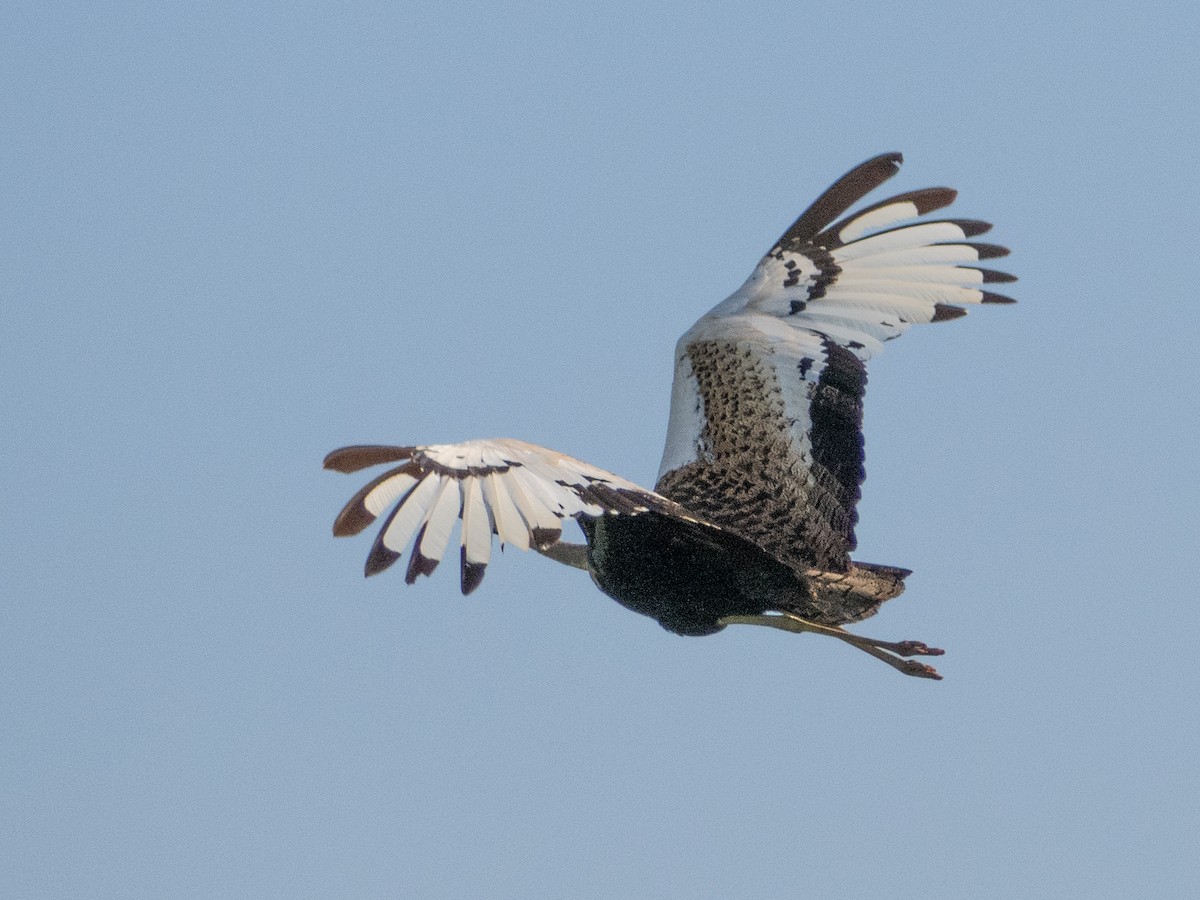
column 236, row 238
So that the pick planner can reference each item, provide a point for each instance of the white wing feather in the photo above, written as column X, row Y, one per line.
column 409, row 515
column 518, row 491
column 477, row 524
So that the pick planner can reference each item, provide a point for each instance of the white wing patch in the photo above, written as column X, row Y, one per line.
column 517, row 491
column 863, row 286
column 877, row 218
column 685, row 429
column 410, row 515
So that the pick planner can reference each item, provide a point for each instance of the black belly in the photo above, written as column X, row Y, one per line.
column 685, row 575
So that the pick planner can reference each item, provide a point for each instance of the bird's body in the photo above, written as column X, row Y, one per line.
column 689, row 578
column 752, row 518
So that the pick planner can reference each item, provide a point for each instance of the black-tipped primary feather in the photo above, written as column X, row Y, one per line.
column 362, row 456
column 988, row 251
column 380, row 557
column 839, row 197
column 944, row 312
column 355, row 516
column 418, row 564
column 926, row 200
column 470, row 574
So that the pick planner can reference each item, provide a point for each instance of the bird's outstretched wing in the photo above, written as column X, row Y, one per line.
column 520, row 492
column 765, row 434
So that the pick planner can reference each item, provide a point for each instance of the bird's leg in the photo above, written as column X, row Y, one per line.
column 888, row 651
column 568, row 554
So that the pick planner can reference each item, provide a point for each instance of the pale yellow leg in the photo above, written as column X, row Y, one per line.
column 888, row 651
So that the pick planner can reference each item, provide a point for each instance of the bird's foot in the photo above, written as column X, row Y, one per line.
column 911, row 648
column 914, row 668
column 890, row 652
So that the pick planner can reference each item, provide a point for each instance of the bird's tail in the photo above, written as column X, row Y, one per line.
column 857, row 593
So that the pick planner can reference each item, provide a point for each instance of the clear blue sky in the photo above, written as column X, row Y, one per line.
column 239, row 236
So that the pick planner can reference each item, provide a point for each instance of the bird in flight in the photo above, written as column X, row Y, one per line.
column 752, row 519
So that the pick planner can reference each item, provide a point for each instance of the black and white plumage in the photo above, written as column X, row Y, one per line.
column 752, row 518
